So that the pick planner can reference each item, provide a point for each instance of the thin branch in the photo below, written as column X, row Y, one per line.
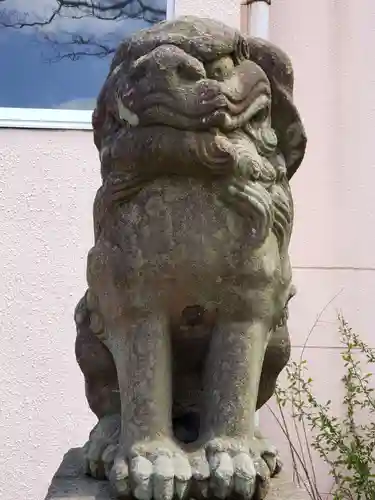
column 314, row 325
column 114, row 6
column 126, row 9
column 317, row 320
column 65, row 44
column 32, row 24
column 299, row 439
column 90, row 47
column 311, row 487
column 74, row 56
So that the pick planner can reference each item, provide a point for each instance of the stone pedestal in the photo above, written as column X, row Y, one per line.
column 70, row 483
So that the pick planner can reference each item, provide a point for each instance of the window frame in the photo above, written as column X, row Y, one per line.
column 60, row 119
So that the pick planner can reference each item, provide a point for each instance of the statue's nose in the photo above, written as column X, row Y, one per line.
column 167, row 61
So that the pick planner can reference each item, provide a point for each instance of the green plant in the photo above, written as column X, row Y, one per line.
column 347, row 443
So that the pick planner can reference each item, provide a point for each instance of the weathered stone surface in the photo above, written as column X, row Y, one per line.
column 183, row 331
column 70, row 483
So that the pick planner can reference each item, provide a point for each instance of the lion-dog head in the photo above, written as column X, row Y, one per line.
column 194, row 97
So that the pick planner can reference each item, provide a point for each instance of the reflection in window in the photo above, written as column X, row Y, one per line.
column 56, row 53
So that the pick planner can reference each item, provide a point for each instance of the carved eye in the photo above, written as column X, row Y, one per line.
column 218, row 73
column 221, row 69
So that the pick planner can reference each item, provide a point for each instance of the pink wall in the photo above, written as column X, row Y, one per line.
column 330, row 44
column 48, row 180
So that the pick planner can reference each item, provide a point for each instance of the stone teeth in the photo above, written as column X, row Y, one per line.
column 125, row 114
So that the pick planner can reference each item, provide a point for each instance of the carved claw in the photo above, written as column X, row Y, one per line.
column 237, row 468
column 269, row 453
column 182, row 475
column 222, row 474
column 100, row 449
column 200, row 473
column 119, row 478
column 152, row 470
column 244, row 475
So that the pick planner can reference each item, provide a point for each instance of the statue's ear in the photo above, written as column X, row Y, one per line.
column 285, row 117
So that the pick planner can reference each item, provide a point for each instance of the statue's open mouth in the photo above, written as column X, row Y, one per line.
column 224, row 117
column 199, row 105
column 227, row 122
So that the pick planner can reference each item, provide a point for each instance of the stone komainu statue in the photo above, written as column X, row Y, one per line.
column 182, row 331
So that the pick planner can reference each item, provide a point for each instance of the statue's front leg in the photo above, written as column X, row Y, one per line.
column 233, row 372
column 149, row 464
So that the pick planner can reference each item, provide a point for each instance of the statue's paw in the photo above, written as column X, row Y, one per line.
column 100, row 449
column 200, row 473
column 236, row 469
column 157, row 470
column 271, row 457
column 269, row 453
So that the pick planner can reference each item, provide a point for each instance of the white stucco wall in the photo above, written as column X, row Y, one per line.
column 48, row 180
column 47, row 184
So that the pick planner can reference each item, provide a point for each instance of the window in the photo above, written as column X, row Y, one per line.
column 55, row 55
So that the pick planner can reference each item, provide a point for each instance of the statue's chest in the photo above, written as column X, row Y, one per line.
column 181, row 229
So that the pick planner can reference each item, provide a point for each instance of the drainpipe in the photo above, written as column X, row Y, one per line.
column 256, row 17
column 171, row 9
